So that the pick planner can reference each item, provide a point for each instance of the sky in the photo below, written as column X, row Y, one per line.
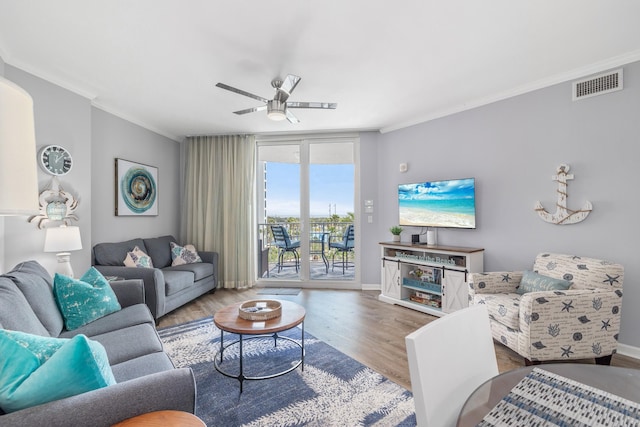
column 330, row 185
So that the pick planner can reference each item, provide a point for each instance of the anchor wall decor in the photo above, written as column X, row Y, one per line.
column 563, row 215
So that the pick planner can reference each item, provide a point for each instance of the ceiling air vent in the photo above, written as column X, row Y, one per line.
column 610, row 81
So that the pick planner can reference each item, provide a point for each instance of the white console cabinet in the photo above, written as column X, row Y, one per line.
column 431, row 279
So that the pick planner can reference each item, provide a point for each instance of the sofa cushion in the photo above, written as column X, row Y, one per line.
column 129, row 343
column 503, row 308
column 137, row 314
column 138, row 259
column 140, row 366
column 200, row 270
column 35, row 284
column 177, row 280
column 534, row 282
column 159, row 250
column 115, row 253
column 15, row 312
column 85, row 300
column 183, row 254
column 79, row 365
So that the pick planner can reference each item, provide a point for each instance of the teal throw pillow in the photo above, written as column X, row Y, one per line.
column 85, row 300
column 41, row 347
column 534, row 282
column 77, row 366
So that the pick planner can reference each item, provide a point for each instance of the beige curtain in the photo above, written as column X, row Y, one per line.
column 219, row 203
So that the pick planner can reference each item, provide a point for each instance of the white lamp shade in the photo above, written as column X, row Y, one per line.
column 18, row 168
column 62, row 239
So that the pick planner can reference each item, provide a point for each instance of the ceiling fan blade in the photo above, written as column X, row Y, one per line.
column 291, row 117
column 241, row 92
column 324, row 105
column 251, row 110
column 290, row 83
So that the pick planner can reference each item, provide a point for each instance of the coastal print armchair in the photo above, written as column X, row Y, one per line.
column 567, row 307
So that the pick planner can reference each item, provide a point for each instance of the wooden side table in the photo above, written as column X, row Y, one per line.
column 163, row 419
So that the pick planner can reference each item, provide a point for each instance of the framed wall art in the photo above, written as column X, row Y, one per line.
column 136, row 189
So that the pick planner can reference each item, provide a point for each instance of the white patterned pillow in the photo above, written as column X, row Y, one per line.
column 186, row 254
column 137, row 258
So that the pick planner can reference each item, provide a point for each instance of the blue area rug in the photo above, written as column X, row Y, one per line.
column 333, row 390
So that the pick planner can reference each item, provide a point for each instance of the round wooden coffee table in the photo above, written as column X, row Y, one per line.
column 163, row 419
column 227, row 320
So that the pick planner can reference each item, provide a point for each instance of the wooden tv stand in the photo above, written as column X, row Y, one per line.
column 431, row 279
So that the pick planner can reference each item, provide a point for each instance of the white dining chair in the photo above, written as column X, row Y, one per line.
column 448, row 359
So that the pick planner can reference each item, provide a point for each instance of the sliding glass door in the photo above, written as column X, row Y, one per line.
column 306, row 215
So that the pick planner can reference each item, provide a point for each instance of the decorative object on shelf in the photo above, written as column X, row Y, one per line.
column 18, row 170
column 63, row 240
column 563, row 215
column 431, row 238
column 260, row 310
column 55, row 160
column 136, row 189
column 56, row 204
column 396, row 230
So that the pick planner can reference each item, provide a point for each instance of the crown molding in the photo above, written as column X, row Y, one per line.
column 597, row 67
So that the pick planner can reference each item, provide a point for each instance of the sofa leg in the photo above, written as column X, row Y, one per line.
column 528, row 362
column 604, row 360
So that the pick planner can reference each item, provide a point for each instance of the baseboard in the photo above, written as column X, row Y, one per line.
column 370, row 287
column 628, row 350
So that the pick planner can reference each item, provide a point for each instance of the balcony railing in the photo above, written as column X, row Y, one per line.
column 320, row 255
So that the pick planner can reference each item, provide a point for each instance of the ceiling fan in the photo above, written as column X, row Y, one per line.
column 278, row 107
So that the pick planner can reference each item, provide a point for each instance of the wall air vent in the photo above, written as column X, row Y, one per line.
column 610, row 81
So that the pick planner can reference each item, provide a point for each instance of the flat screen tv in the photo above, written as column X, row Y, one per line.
column 450, row 203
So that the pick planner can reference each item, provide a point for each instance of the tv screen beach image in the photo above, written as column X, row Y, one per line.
column 448, row 203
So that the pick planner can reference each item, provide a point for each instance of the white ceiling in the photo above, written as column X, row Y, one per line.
column 387, row 64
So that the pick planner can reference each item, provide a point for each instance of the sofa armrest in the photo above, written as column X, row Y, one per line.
column 168, row 390
column 211, row 258
column 154, row 289
column 570, row 324
column 495, row 282
column 129, row 292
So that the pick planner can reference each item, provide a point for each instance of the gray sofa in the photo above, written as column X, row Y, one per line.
column 146, row 378
column 166, row 288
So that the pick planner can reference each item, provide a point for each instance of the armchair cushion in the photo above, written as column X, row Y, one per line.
column 504, row 308
column 534, row 282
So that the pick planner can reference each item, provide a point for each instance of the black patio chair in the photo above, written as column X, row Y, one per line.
column 344, row 246
column 284, row 244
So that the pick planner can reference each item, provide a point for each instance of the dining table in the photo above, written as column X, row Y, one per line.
column 556, row 394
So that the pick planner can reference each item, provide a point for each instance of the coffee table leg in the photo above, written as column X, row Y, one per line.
column 221, row 344
column 302, row 347
column 241, row 375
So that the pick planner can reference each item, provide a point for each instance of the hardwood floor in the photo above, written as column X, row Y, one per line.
column 355, row 323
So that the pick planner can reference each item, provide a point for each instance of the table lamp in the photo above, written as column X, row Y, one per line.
column 63, row 240
column 18, row 169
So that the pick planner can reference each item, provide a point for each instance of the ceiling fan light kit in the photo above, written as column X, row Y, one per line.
column 277, row 108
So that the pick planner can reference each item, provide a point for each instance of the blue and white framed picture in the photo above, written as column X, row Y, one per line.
column 136, row 189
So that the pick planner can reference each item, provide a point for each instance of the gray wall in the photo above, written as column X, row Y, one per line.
column 94, row 138
column 512, row 148
column 114, row 138
column 63, row 118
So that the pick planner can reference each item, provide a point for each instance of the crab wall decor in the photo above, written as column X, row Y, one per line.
column 55, row 205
